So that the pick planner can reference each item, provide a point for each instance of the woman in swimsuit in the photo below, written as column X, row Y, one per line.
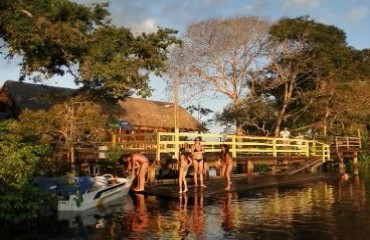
column 138, row 165
column 198, row 163
column 184, row 164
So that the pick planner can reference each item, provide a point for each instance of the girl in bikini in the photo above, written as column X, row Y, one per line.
column 197, row 153
column 184, row 164
column 227, row 164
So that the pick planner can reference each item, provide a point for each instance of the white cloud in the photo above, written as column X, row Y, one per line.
column 148, row 26
column 302, row 3
column 358, row 13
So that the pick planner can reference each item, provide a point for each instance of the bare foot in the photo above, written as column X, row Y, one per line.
column 180, row 191
column 185, row 190
column 227, row 189
column 203, row 186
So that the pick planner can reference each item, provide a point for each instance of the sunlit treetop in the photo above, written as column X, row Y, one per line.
column 54, row 37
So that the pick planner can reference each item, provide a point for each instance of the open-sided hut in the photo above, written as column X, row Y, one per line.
column 141, row 115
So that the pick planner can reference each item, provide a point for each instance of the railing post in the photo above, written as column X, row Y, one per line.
column 313, row 153
column 158, row 149
column 176, row 138
column 307, row 142
column 233, row 144
column 274, row 147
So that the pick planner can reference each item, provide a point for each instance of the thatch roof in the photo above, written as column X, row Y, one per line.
column 140, row 113
column 34, row 96
column 155, row 114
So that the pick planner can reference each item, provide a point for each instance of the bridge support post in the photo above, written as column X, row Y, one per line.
column 313, row 169
column 355, row 163
column 250, row 167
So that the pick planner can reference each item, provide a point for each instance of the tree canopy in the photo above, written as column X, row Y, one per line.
column 55, row 37
column 309, row 71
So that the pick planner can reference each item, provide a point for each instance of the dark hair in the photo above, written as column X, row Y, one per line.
column 198, row 138
column 227, row 148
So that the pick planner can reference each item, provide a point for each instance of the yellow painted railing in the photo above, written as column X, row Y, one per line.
column 170, row 143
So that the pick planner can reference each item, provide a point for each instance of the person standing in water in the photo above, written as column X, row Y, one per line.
column 184, row 163
column 226, row 165
column 197, row 151
column 138, row 164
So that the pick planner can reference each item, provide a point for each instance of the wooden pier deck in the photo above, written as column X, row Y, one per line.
column 240, row 183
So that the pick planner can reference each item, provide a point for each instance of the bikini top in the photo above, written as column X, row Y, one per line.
column 196, row 150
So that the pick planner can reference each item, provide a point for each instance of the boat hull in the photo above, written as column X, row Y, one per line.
column 97, row 198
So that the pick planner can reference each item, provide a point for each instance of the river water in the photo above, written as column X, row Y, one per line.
column 334, row 209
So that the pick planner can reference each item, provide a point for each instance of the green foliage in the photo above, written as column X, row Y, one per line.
column 364, row 156
column 314, row 80
column 199, row 113
column 65, row 123
column 21, row 205
column 54, row 37
column 19, row 200
column 114, row 153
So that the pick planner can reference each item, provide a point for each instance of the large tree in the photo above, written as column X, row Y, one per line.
column 54, row 37
column 218, row 55
column 307, row 62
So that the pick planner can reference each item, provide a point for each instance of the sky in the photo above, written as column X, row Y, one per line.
column 352, row 16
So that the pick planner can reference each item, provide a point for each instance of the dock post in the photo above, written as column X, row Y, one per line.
column 355, row 163
column 250, row 167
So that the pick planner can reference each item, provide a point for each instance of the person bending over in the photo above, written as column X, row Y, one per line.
column 138, row 164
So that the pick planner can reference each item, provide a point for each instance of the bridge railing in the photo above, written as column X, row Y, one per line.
column 164, row 143
column 240, row 146
column 319, row 149
column 348, row 142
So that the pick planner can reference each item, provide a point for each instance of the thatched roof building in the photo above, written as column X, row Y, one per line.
column 157, row 115
column 140, row 113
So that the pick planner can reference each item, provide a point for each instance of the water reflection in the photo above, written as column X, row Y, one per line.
column 198, row 215
column 140, row 218
column 183, row 215
column 315, row 210
column 97, row 217
column 228, row 213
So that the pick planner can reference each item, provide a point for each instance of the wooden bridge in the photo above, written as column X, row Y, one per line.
column 346, row 148
column 278, row 154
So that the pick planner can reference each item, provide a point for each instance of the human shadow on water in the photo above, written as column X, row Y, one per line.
column 227, row 212
column 197, row 225
column 183, row 216
column 140, row 217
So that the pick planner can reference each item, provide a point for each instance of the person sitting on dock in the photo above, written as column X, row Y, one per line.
column 226, row 165
column 138, row 164
column 184, row 163
column 198, row 162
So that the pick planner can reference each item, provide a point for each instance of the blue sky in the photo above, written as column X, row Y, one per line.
column 352, row 16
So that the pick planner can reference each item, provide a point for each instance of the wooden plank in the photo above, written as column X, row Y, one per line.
column 240, row 183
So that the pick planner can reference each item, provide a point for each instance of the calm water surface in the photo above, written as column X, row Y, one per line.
column 316, row 210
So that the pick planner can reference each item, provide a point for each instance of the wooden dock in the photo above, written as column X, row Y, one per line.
column 251, row 153
column 240, row 183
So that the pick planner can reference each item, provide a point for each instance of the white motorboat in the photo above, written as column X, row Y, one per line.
column 103, row 190
column 92, row 216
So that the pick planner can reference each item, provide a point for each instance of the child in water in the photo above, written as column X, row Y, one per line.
column 184, row 163
column 227, row 164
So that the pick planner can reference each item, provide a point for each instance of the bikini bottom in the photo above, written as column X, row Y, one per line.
column 198, row 160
